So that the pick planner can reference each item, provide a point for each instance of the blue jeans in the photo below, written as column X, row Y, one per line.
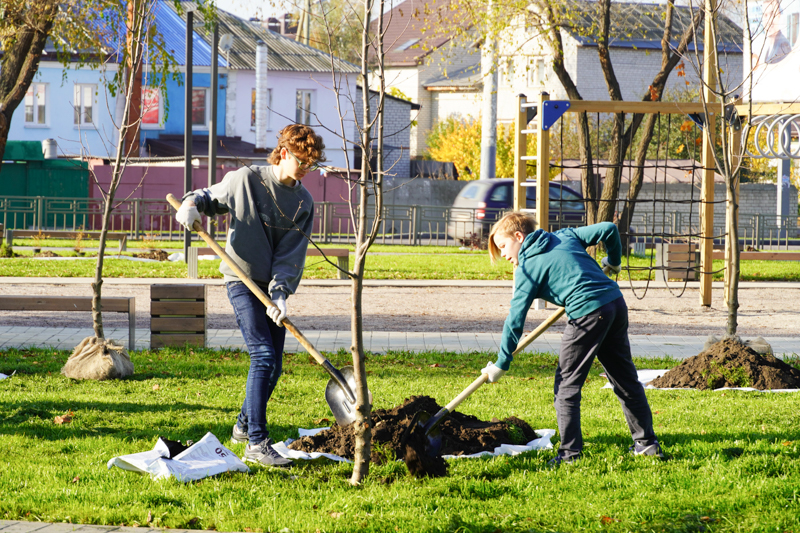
column 264, row 340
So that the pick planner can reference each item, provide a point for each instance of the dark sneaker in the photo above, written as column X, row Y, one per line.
column 265, row 454
column 651, row 450
column 238, row 436
column 559, row 460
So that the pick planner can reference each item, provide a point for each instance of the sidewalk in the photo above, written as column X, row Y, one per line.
column 650, row 346
column 20, row 526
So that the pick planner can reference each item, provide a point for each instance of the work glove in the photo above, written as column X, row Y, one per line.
column 278, row 313
column 494, row 372
column 188, row 214
column 608, row 268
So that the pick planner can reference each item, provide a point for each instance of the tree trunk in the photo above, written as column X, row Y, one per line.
column 19, row 64
column 136, row 32
column 361, row 427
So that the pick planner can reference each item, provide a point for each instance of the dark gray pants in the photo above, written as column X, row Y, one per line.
column 602, row 334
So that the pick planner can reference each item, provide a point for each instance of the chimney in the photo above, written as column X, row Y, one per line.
column 261, row 96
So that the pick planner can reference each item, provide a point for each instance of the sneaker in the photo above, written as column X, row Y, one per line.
column 238, row 436
column 652, row 450
column 559, row 460
column 265, row 454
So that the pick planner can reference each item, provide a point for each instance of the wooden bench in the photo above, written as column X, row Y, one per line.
column 75, row 303
column 678, row 260
column 762, row 256
column 177, row 315
column 342, row 256
column 71, row 235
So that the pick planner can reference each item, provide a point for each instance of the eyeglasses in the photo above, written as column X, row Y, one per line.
column 301, row 165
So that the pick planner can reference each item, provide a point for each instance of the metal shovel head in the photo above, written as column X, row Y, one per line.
column 344, row 411
column 430, row 437
column 422, row 449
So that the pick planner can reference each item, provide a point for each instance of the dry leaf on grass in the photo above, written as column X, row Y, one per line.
column 65, row 419
column 335, row 514
column 156, row 386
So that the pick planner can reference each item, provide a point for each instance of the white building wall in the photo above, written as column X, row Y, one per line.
column 99, row 139
column 397, row 134
column 461, row 105
column 284, row 87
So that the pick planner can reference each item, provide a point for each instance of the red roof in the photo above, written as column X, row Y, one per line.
column 415, row 28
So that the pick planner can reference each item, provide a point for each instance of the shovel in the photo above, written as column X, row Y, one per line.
column 339, row 391
column 428, row 426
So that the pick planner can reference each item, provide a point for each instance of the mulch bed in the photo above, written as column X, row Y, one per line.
column 730, row 363
column 158, row 255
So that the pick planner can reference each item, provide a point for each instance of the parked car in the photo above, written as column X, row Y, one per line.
column 481, row 203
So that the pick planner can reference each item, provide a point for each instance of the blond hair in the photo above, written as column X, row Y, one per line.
column 509, row 225
column 300, row 140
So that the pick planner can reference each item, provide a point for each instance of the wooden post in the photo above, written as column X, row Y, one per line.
column 542, row 166
column 520, row 151
column 709, row 166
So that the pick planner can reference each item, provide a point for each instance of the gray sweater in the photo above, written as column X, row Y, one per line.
column 264, row 237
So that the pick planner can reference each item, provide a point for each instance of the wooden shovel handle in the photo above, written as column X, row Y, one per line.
column 544, row 326
column 250, row 284
column 475, row 385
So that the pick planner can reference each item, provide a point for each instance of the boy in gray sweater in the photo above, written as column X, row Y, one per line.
column 271, row 216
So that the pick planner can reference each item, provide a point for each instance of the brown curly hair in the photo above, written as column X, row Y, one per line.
column 302, row 141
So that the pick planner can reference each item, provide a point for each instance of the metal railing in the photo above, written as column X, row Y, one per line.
column 333, row 222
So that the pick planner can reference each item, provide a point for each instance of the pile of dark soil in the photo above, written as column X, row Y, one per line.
column 46, row 253
column 159, row 255
column 462, row 434
column 729, row 363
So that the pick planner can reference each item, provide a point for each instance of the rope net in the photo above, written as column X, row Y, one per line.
column 660, row 225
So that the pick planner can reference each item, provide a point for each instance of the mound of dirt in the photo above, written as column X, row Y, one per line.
column 729, row 363
column 462, row 434
column 46, row 253
column 159, row 255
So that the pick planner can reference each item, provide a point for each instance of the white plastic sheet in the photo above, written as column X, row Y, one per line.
column 646, row 376
column 542, row 443
column 207, row 457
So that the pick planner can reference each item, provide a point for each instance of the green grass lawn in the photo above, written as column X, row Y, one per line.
column 734, row 463
column 387, row 262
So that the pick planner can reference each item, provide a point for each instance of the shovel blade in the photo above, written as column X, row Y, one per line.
column 430, row 437
column 344, row 411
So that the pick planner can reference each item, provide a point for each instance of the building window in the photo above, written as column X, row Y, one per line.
column 200, row 108
column 537, row 73
column 792, row 27
column 305, row 107
column 253, row 108
column 506, row 71
column 84, row 105
column 152, row 108
column 36, row 105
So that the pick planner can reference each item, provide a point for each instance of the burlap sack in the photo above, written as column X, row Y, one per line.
column 98, row 359
column 758, row 345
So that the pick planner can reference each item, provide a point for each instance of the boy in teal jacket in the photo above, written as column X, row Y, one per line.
column 555, row 267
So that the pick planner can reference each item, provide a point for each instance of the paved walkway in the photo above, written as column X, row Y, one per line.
column 19, row 526
column 376, row 341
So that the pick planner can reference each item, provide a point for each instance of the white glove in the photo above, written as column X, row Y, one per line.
column 278, row 313
column 494, row 372
column 609, row 268
column 188, row 214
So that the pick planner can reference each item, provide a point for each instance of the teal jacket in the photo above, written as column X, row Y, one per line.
column 555, row 267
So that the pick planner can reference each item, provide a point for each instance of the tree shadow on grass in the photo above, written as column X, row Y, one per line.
column 35, row 419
